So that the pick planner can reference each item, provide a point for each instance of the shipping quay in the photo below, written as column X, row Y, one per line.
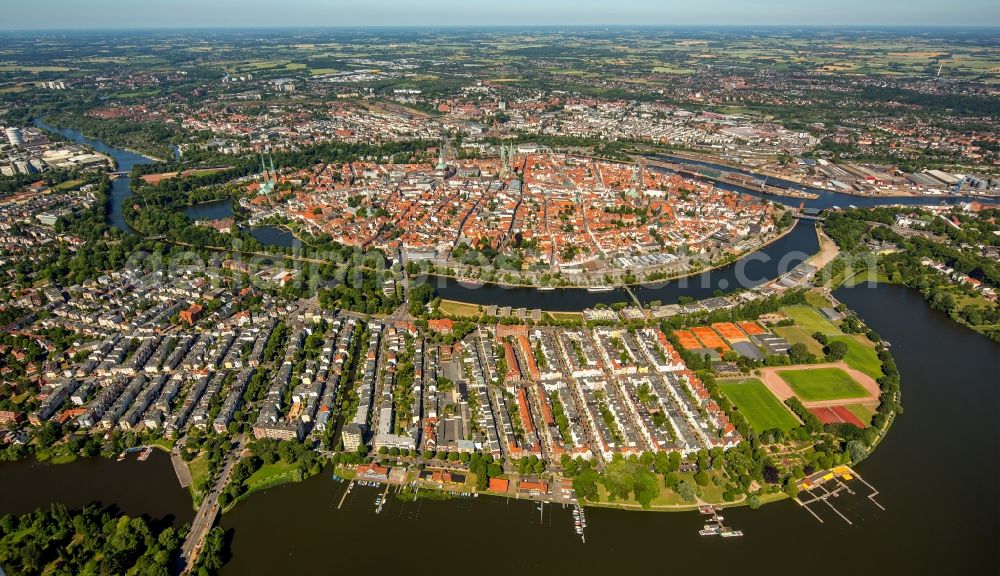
column 734, row 178
column 825, row 485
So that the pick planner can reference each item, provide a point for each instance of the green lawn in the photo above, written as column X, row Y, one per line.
column 270, row 473
column 811, row 320
column 862, row 278
column 453, row 308
column 573, row 316
column 816, row 299
column 346, row 472
column 164, row 443
column 198, row 468
column 761, row 408
column 798, row 335
column 710, row 493
column 861, row 355
column 822, row 384
column 60, row 459
column 67, row 185
column 863, row 412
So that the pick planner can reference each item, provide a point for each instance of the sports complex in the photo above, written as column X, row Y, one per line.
column 845, row 391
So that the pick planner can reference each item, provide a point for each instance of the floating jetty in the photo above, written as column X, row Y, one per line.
column 816, row 489
column 579, row 521
column 715, row 527
column 144, row 452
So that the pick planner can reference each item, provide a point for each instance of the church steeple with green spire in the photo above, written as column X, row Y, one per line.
column 268, row 180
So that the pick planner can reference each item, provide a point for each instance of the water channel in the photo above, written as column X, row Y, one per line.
column 938, row 470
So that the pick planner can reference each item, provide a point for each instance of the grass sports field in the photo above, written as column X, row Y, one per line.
column 822, row 384
column 862, row 412
column 811, row 320
column 761, row 408
column 861, row 356
column 796, row 335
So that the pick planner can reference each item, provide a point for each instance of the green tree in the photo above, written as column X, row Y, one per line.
column 687, row 491
column 836, row 350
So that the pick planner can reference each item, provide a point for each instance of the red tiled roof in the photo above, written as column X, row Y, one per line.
column 499, row 485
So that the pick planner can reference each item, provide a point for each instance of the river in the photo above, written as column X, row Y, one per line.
column 937, row 470
column 121, row 189
column 147, row 488
column 124, row 159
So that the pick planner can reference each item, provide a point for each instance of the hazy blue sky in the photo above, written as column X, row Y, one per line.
column 173, row 13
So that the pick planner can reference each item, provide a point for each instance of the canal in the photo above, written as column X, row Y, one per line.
column 757, row 268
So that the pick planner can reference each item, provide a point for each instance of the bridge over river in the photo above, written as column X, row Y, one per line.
column 208, row 512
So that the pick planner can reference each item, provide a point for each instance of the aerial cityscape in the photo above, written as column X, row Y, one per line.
column 555, row 286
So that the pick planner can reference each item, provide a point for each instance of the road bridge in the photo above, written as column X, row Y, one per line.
column 208, row 512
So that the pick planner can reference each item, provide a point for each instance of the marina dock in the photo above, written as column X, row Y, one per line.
column 715, row 527
column 826, row 485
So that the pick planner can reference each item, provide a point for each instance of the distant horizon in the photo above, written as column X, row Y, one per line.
column 261, row 27
column 61, row 15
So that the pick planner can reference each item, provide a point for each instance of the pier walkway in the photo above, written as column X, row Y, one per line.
column 180, row 468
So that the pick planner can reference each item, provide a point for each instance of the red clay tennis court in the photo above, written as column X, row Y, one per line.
column 687, row 340
column 836, row 415
column 752, row 328
column 709, row 338
column 730, row 331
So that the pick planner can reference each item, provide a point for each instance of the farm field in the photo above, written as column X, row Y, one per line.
column 761, row 408
column 820, row 384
